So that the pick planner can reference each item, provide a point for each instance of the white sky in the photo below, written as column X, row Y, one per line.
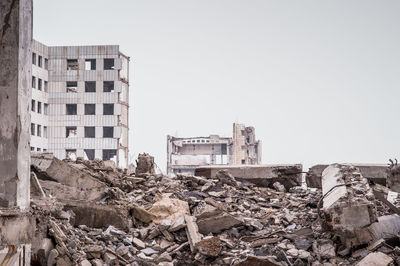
column 319, row 80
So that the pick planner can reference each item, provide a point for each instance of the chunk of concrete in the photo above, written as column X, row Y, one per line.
column 261, row 175
column 393, row 181
column 145, row 164
column 347, row 200
column 192, row 231
column 373, row 172
column 216, row 224
column 324, row 248
column 375, row 259
column 48, row 167
column 210, row 247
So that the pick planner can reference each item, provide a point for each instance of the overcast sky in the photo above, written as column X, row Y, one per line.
column 319, row 80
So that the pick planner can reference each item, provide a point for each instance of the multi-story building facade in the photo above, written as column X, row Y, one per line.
column 184, row 155
column 80, row 102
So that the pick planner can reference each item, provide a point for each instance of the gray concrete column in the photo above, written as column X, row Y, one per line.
column 15, row 97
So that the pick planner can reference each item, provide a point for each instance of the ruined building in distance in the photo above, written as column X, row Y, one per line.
column 184, row 155
column 80, row 102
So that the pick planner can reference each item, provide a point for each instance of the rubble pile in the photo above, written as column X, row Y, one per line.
column 152, row 219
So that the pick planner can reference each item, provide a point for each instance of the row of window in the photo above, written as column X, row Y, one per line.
column 90, row 109
column 36, row 130
column 90, row 132
column 38, row 149
column 38, row 108
column 90, row 153
column 41, row 84
column 90, row 64
column 90, row 86
column 39, row 61
column 71, row 132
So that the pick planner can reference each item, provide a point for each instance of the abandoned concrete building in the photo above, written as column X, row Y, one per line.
column 80, row 102
column 186, row 154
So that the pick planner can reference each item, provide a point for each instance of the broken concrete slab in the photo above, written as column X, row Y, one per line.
column 373, row 172
column 347, row 204
column 192, row 231
column 216, row 224
column 375, row 259
column 100, row 216
column 261, row 175
column 48, row 167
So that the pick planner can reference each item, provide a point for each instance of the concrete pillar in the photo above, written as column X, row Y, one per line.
column 15, row 98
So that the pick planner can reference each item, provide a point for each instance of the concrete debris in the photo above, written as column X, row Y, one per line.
column 151, row 219
column 375, row 259
column 144, row 164
column 376, row 173
column 393, row 179
column 347, row 200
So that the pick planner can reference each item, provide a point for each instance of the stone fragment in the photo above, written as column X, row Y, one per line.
column 210, row 246
column 192, row 232
column 224, row 177
column 144, row 164
column 85, row 263
column 164, row 257
column 324, row 248
column 279, row 187
column 178, row 224
column 149, row 251
column 216, row 224
column 138, row 243
column 51, row 260
column 97, row 262
column 110, row 258
column 375, row 259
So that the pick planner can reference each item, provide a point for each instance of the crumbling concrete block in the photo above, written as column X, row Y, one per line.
column 145, row 164
column 375, row 259
column 260, row 175
column 48, row 167
column 216, row 224
column 210, row 246
column 393, row 180
column 347, row 200
column 373, row 172
column 192, row 232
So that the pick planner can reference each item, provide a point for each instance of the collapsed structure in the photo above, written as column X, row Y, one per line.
column 184, row 155
column 80, row 102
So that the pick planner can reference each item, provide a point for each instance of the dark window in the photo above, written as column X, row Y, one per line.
column 44, row 149
column 90, row 109
column 39, row 149
column 108, row 63
column 223, row 149
column 40, row 61
column 90, row 86
column 32, row 148
column 45, row 131
column 108, row 154
column 71, row 109
column 34, row 58
column 46, row 63
column 90, row 132
column 243, row 162
column 108, row 86
column 108, row 132
column 39, row 107
column 72, row 64
column 108, row 109
column 39, row 131
column 72, row 86
column 89, row 154
column 32, row 129
column 90, row 64
column 33, row 105
column 45, row 108
column 40, row 84
column 70, row 132
column 46, row 86
column 33, row 82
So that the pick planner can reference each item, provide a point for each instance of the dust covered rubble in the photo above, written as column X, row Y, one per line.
column 152, row 219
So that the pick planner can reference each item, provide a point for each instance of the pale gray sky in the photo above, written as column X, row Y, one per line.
column 319, row 80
